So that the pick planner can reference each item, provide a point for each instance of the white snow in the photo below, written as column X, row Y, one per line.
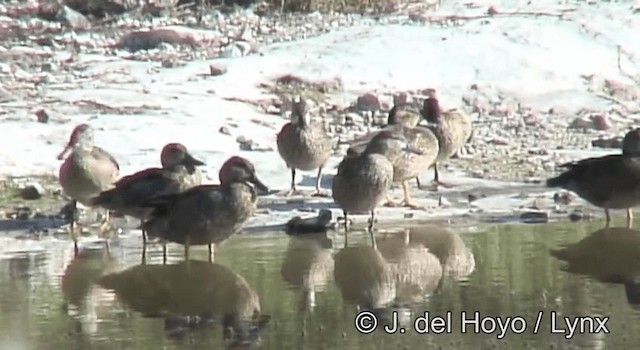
column 539, row 60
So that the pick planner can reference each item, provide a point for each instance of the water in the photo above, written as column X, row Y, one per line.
column 276, row 292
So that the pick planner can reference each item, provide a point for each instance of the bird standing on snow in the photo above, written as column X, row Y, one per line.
column 303, row 146
column 609, row 182
column 86, row 171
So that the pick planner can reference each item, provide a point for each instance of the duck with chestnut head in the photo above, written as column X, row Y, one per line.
column 363, row 179
column 178, row 173
column 303, row 146
column 207, row 214
column 403, row 118
column 609, row 182
column 86, row 171
column 452, row 128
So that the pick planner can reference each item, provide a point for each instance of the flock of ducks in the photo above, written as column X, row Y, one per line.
column 174, row 206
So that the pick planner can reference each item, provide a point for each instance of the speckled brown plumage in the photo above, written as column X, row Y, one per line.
column 609, row 182
column 403, row 118
column 363, row 180
column 452, row 128
column 303, row 146
column 86, row 171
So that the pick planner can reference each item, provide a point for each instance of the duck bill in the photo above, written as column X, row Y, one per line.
column 191, row 163
column 259, row 185
column 65, row 152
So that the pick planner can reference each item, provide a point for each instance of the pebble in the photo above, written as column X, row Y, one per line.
column 32, row 191
column 216, row 70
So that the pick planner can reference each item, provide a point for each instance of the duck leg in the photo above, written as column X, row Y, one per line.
column 105, row 225
column 407, row 198
column 629, row 218
column 607, row 217
column 418, row 184
column 292, row 190
column 186, row 249
column 371, row 223
column 164, row 252
column 212, row 251
column 436, row 183
column 319, row 192
column 72, row 226
column 346, row 228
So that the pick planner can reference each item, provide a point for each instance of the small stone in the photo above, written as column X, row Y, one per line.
column 224, row 130
column 42, row 116
column 492, row 11
column 72, row 18
column 534, row 217
column 563, row 198
column 217, row 70
column 168, row 62
column 245, row 143
column 614, row 142
column 601, row 122
column 580, row 123
column 32, row 191
column 368, row 102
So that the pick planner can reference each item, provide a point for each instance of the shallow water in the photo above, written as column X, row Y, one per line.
column 276, row 292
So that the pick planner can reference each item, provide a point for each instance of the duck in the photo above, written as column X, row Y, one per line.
column 86, row 171
column 363, row 179
column 609, row 182
column 207, row 214
column 303, row 146
column 452, row 127
column 404, row 118
column 177, row 174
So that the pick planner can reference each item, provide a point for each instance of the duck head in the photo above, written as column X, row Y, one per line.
column 238, row 169
column 431, row 107
column 174, row 154
column 387, row 141
column 631, row 143
column 299, row 112
column 81, row 138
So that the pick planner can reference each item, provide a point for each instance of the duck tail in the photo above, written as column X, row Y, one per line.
column 103, row 199
column 559, row 181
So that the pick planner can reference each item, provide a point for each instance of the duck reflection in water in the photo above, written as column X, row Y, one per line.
column 190, row 295
column 417, row 272
column 81, row 296
column 308, row 266
column 610, row 255
column 365, row 279
column 455, row 257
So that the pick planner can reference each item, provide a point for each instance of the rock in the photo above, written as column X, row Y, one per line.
column 563, row 198
column 73, row 18
column 613, row 142
column 316, row 224
column 32, row 191
column 581, row 123
column 601, row 122
column 224, row 130
column 217, row 70
column 368, row 102
column 151, row 39
column 101, row 8
column 42, row 116
column 534, row 217
column 245, row 143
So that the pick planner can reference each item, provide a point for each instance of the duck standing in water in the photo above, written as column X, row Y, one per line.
column 207, row 214
column 403, row 118
column 363, row 179
column 303, row 146
column 86, row 171
column 609, row 182
column 452, row 128
column 178, row 173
